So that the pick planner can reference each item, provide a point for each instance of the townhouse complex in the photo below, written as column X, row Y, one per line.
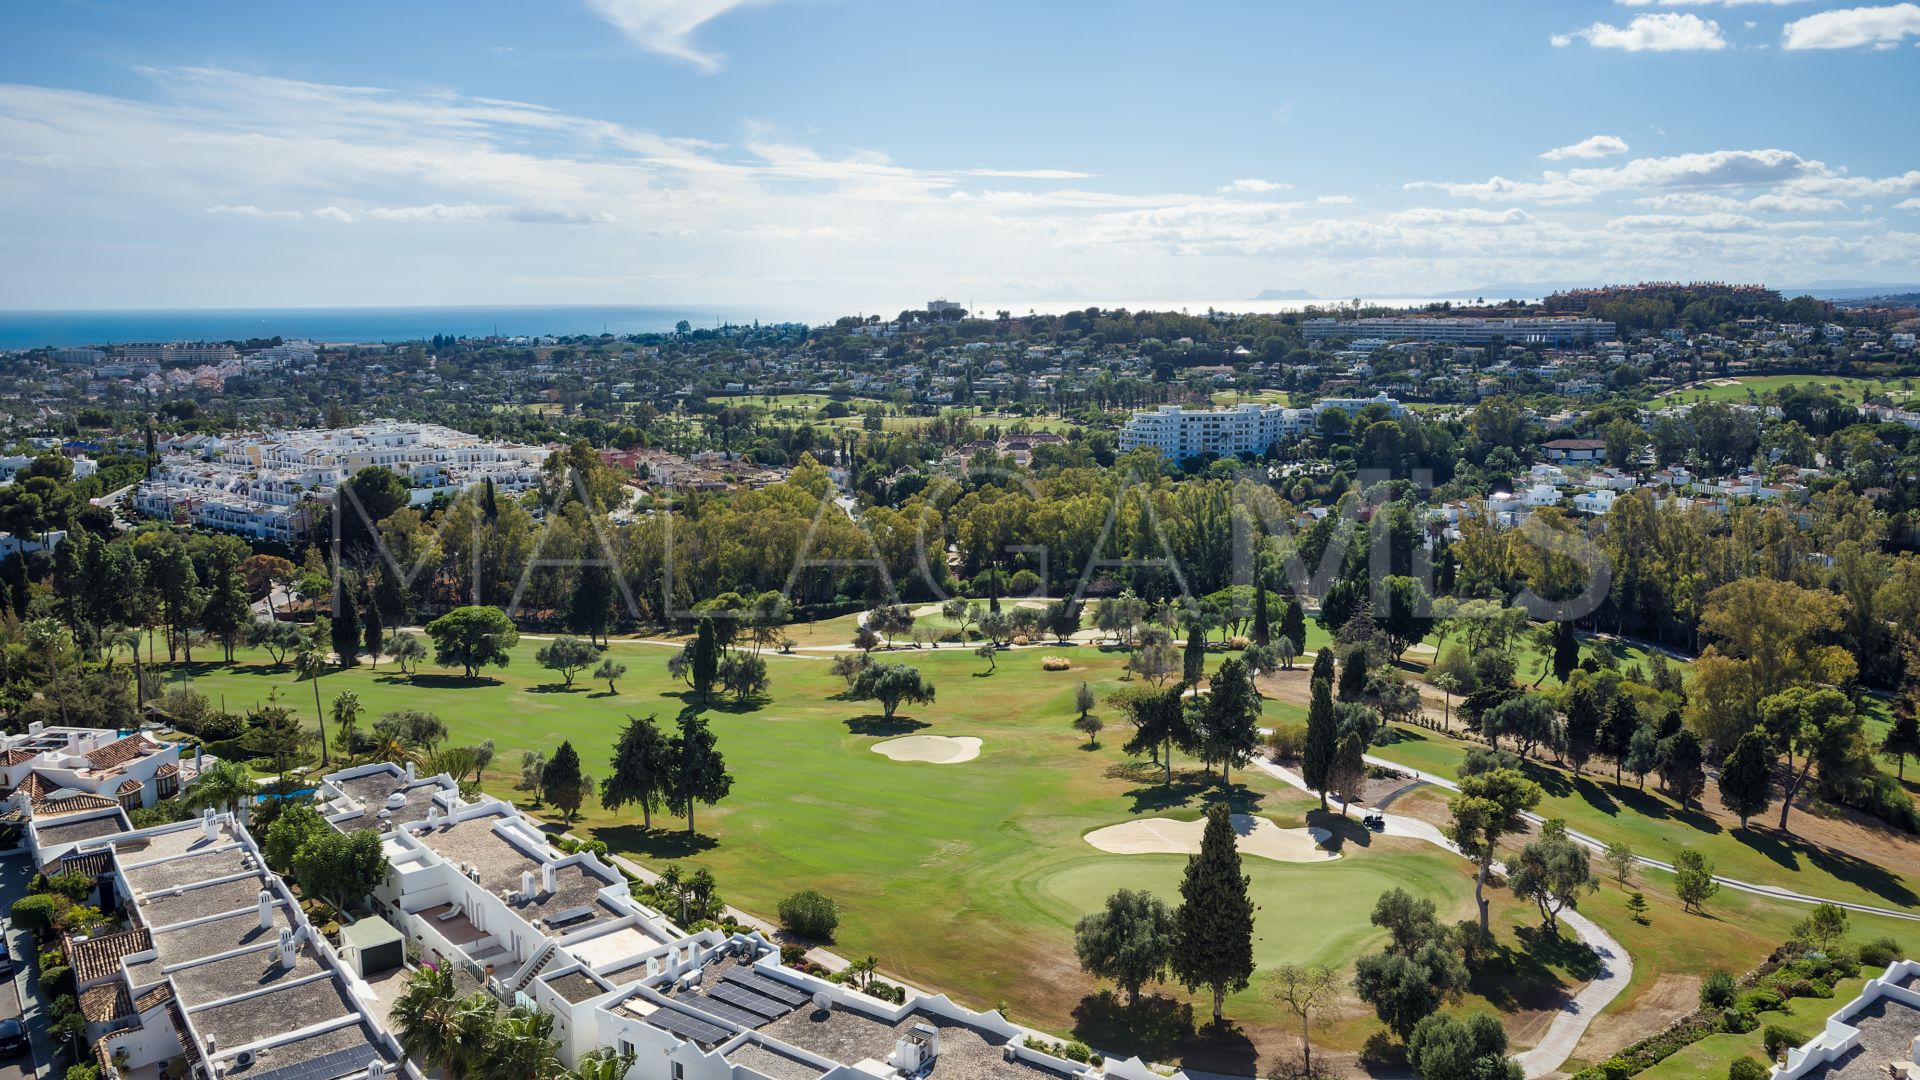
column 1180, row 433
column 217, row 964
column 1520, row 331
column 88, row 768
column 272, row 485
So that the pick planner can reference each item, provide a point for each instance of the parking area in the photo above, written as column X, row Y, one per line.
column 15, row 872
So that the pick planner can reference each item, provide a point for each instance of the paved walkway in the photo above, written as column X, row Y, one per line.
column 1735, row 884
column 1616, row 967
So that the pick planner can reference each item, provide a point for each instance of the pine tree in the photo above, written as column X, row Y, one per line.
column 1583, row 726
column 640, row 769
column 1323, row 738
column 1616, row 733
column 1746, row 778
column 696, row 771
column 562, row 783
column 1213, row 928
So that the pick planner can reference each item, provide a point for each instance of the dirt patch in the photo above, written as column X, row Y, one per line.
column 1668, row 999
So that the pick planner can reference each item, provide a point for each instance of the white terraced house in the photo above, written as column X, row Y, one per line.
column 1180, row 433
column 478, row 887
column 271, row 485
column 90, row 768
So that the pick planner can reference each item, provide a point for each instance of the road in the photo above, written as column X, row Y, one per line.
column 23, row 989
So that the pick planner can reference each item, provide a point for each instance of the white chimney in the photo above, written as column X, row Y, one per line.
column 36, row 727
column 411, row 775
column 549, row 878
column 209, row 825
column 266, row 909
column 433, row 816
column 377, row 1070
column 286, row 948
column 526, row 884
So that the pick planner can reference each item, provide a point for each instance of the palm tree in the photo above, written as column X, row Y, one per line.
column 602, row 1064
column 424, row 1016
column 346, row 716
column 224, row 786
column 311, row 663
column 523, row 1048
column 475, row 1026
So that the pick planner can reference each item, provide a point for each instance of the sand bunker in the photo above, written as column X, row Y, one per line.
column 933, row 749
column 1258, row 836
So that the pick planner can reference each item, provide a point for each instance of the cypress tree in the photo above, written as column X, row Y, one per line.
column 1353, row 676
column 1746, row 778
column 346, row 627
column 374, row 632
column 1213, row 927
column 1566, row 651
column 1323, row 735
column 1293, row 623
column 1193, row 662
column 706, row 660
column 1262, row 626
column 561, row 782
column 1583, row 726
column 1323, row 666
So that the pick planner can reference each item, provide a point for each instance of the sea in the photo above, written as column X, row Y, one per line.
column 76, row 328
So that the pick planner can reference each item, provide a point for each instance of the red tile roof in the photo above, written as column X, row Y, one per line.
column 120, row 751
column 99, row 958
column 106, row 1003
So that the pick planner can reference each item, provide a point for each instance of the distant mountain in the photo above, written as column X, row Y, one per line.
column 1285, row 294
column 1848, row 290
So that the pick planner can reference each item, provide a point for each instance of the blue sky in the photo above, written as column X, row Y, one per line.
column 864, row 155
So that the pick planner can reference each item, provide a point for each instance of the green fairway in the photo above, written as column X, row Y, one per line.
column 1741, row 388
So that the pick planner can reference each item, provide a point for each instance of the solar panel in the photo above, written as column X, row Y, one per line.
column 748, row 1000
column 354, row 1059
column 772, row 988
column 731, row 1013
column 688, row 1027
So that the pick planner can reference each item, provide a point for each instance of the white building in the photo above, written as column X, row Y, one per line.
column 271, row 486
column 1181, row 433
column 1465, row 331
column 99, row 767
column 1876, row 1034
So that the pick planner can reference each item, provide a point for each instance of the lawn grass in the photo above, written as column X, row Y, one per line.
column 1850, row 388
column 960, row 878
column 1656, row 827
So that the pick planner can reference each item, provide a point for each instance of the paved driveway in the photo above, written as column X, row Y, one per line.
column 23, row 988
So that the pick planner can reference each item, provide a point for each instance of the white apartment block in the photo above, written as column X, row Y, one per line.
column 270, row 486
column 177, row 352
column 1180, row 433
column 477, row 888
column 88, row 768
column 1465, row 331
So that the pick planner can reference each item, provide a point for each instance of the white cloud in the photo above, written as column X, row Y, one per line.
column 1467, row 216
column 1907, row 204
column 1794, row 204
column 667, row 26
column 248, row 210
column 1665, row 32
column 333, row 213
column 1705, row 3
column 1593, row 146
column 1031, row 174
column 1334, row 200
column 1719, row 168
column 1846, row 28
column 1254, row 185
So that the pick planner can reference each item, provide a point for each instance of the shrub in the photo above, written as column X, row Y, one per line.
column 1738, row 1021
column 54, row 979
column 1055, row 663
column 1761, row 1000
column 1777, row 1040
column 1238, row 642
column 1287, row 740
column 85, row 1070
column 35, row 913
column 810, row 915
column 1879, row 952
column 1020, row 639
column 791, row 954
column 1717, row 990
column 1746, row 1068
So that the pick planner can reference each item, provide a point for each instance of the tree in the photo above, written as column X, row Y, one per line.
column 413, row 729
column 1443, row 1047
column 374, row 634
column 292, row 828
column 1229, row 728
column 1485, row 808
column 473, row 637
column 1062, row 619
column 697, row 771
column 744, row 675
column 610, row 672
column 1681, row 766
column 1193, row 659
column 1902, row 740
column 591, row 606
column 987, row 651
column 641, row 769
column 312, row 665
column 848, row 666
column 890, row 685
column 1302, row 989
column 1819, row 724
column 1622, row 861
column 1129, row 942
column 1403, row 989
column 340, row 867
column 1552, row 871
column 405, row 650
column 568, row 656
column 347, row 636
column 1410, row 922
column 1566, row 651
column 1637, row 906
column 1349, row 770
column 1262, row 622
column 1293, row 625
column 1643, row 753
column 703, row 661
column 562, row 783
column 346, row 717
column 1159, row 723
column 1583, row 726
column 1213, row 927
column 1090, row 725
column 1824, row 928
column 1528, row 719
column 1353, row 675
column 809, row 915
column 226, row 614
column 1693, row 880
column 221, row 786
column 1617, row 731
column 1746, row 777
column 1323, row 739
column 1155, row 658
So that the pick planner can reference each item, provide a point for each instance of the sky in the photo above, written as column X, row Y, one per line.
column 855, row 155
